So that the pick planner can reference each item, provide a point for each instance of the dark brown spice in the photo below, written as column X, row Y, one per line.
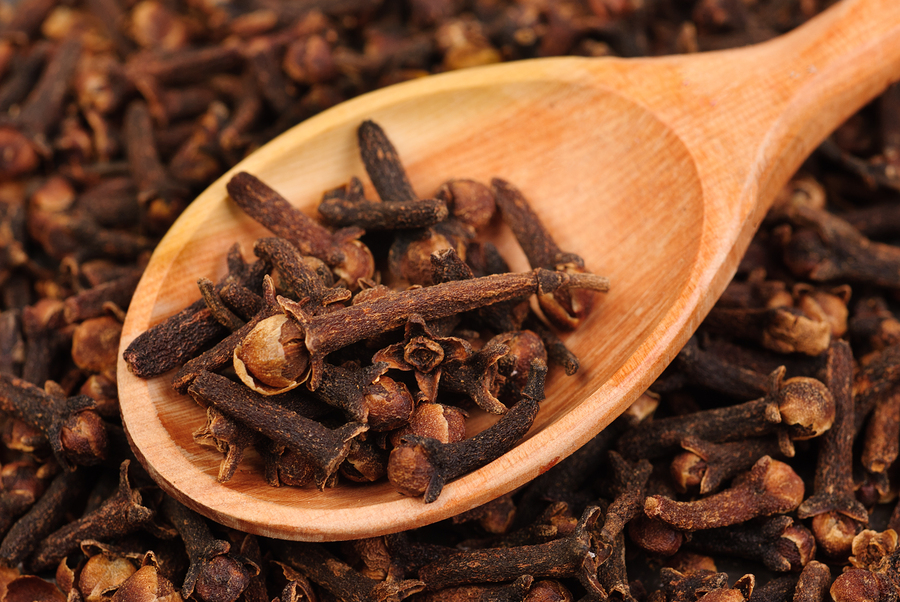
column 802, row 405
column 828, row 248
column 326, row 448
column 781, row 329
column 814, row 582
column 186, row 66
column 837, row 514
column 162, row 199
column 178, row 338
column 518, row 590
column 770, row 487
column 710, row 371
column 332, row 331
column 422, row 465
column 572, row 556
column 708, row 465
column 873, row 326
column 213, row 574
column 340, row 580
column 216, row 306
column 23, row 75
column 478, row 375
column 75, row 432
column 349, row 258
column 777, row 542
column 691, row 585
column 228, row 437
column 383, row 164
column 119, row 515
column 222, row 353
column 300, row 276
column 43, row 107
column 424, row 353
column 379, row 215
column 346, row 387
column 565, row 309
column 12, row 345
column 779, row 589
column 21, row 484
column 630, row 488
column 262, row 60
column 93, row 302
column 612, row 573
column 469, row 201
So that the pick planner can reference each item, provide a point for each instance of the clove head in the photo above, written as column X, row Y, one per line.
column 147, row 585
column 410, row 259
column 796, row 546
column 524, row 346
column 654, row 536
column 221, row 579
column 445, row 423
column 101, row 574
column 389, row 403
column 295, row 469
column 409, row 470
column 423, row 354
column 567, row 307
column 19, row 156
column 83, row 438
column 791, row 332
column 858, row 585
column 358, row 264
column 778, row 481
column 687, row 470
column 469, row 201
column 273, row 358
column 835, row 533
column 807, row 406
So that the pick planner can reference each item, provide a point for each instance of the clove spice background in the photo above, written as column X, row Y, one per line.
column 761, row 466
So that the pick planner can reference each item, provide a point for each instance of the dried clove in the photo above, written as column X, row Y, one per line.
column 75, row 431
column 349, row 258
column 837, row 515
column 383, row 164
column 121, row 514
column 770, row 487
column 374, row 215
column 213, row 574
column 421, row 465
column 341, row 580
column 328, row 332
column 566, row 309
column 802, row 406
column 572, row 556
column 326, row 448
column 777, row 542
column 707, row 465
column 178, row 338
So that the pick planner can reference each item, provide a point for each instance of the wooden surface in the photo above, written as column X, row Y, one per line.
column 656, row 171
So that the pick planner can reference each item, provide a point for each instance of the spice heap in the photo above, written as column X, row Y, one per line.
column 459, row 329
column 104, row 109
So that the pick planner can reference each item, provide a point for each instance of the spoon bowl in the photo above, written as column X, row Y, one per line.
column 656, row 171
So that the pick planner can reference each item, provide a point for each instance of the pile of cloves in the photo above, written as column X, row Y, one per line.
column 760, row 467
column 391, row 362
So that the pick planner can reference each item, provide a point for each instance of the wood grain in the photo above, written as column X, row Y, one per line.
column 656, row 171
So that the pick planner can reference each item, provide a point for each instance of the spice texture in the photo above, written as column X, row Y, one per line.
column 761, row 466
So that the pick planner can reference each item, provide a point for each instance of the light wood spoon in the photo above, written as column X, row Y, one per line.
column 656, row 171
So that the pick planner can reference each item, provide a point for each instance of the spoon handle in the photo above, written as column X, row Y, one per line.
column 766, row 107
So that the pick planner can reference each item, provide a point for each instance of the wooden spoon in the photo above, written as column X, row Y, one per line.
column 656, row 171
